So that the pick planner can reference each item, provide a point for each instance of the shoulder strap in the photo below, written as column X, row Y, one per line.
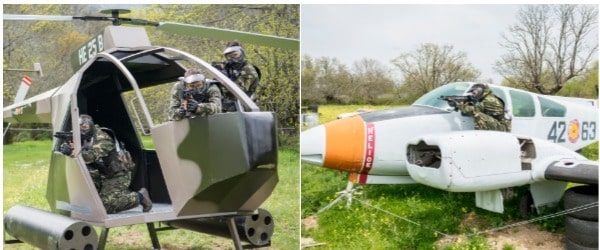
column 112, row 135
column 257, row 71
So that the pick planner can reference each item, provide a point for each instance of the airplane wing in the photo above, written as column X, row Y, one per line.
column 459, row 162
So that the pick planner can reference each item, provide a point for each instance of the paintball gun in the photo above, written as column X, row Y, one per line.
column 227, row 70
column 453, row 100
column 66, row 138
column 187, row 102
column 218, row 65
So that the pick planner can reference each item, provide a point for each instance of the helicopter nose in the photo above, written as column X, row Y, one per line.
column 339, row 144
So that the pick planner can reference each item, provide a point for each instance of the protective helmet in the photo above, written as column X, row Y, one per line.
column 86, row 126
column 477, row 90
column 235, row 55
column 190, row 72
column 193, row 78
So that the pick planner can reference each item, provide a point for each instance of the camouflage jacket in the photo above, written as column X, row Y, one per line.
column 489, row 104
column 488, row 113
column 246, row 78
column 211, row 103
column 97, row 147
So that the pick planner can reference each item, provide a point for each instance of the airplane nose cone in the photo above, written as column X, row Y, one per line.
column 312, row 145
column 339, row 144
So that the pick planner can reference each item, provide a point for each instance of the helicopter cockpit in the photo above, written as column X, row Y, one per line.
column 206, row 166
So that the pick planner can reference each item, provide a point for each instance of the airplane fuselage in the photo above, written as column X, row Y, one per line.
column 372, row 146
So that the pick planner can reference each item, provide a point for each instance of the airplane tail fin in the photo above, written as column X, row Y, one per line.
column 21, row 93
column 23, row 89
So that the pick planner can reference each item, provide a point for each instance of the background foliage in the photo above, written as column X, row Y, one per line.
column 51, row 44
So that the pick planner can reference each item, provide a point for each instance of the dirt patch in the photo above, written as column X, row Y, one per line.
column 309, row 242
column 309, row 222
column 522, row 237
column 527, row 237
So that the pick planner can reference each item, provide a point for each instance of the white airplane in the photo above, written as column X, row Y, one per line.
column 429, row 143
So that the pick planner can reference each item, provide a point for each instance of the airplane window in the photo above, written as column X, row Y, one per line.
column 499, row 93
column 522, row 104
column 432, row 98
column 551, row 108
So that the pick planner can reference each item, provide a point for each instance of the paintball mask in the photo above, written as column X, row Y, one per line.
column 86, row 126
column 193, row 81
column 235, row 56
column 477, row 91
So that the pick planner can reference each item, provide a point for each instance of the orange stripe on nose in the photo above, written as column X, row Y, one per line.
column 345, row 144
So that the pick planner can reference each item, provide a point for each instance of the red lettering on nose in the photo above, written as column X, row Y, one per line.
column 370, row 149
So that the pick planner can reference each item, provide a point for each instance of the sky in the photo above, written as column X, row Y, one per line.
column 383, row 32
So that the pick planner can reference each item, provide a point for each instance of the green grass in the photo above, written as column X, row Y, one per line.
column 363, row 227
column 25, row 170
column 435, row 211
column 330, row 112
column 25, row 176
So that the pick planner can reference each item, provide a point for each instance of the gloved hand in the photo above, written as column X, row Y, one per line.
column 192, row 106
column 65, row 149
column 181, row 111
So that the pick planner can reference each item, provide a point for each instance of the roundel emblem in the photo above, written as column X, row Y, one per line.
column 573, row 131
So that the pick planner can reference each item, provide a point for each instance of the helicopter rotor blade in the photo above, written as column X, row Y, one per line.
column 224, row 34
column 178, row 28
column 36, row 17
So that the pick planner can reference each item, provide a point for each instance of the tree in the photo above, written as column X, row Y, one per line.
column 327, row 81
column 46, row 42
column 585, row 86
column 372, row 81
column 310, row 93
column 431, row 66
column 550, row 45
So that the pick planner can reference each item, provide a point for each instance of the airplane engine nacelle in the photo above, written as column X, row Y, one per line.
column 473, row 161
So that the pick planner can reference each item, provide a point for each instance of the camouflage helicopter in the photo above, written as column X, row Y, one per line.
column 193, row 183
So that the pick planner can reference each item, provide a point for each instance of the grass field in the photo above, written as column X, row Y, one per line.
column 421, row 215
column 25, row 169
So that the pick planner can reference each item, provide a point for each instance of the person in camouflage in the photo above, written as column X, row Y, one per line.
column 110, row 178
column 194, row 96
column 240, row 71
column 488, row 111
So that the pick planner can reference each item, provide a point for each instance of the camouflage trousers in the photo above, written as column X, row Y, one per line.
column 114, row 192
column 486, row 122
